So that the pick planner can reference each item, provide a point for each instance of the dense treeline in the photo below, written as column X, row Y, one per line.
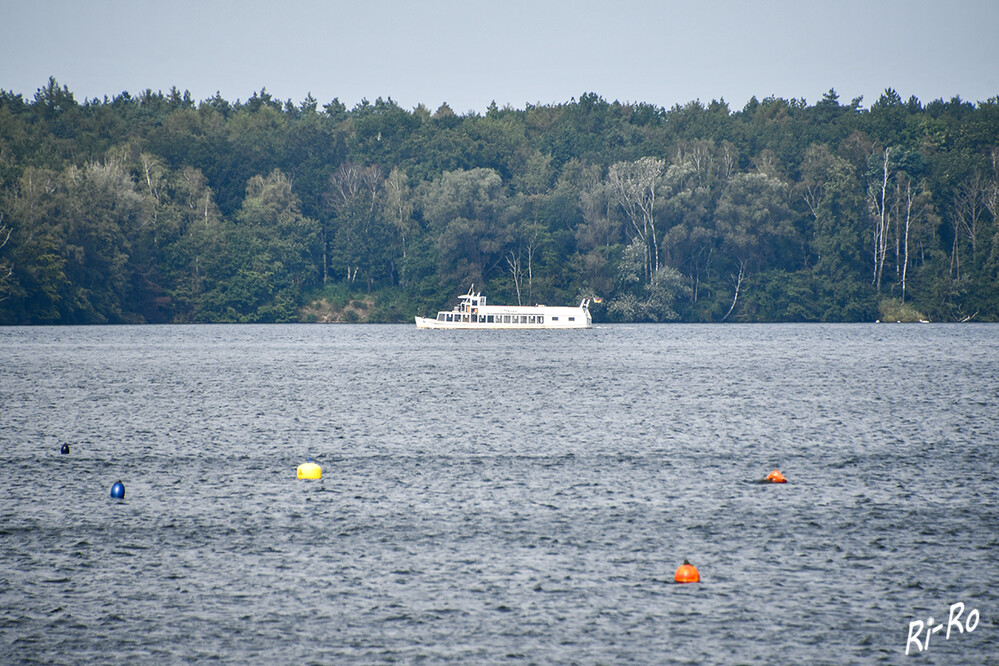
column 159, row 209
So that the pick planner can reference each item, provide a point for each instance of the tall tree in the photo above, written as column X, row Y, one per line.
column 100, row 213
column 634, row 185
column 468, row 212
column 398, row 202
column 881, row 172
column 352, row 194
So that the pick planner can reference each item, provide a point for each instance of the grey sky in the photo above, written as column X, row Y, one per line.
column 470, row 53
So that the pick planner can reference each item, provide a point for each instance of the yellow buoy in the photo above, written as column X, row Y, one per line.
column 310, row 470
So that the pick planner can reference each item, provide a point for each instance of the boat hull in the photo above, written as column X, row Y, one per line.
column 427, row 323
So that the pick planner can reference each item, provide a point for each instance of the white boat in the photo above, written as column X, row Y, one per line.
column 472, row 312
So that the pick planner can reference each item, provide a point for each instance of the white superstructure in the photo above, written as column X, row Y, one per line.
column 472, row 312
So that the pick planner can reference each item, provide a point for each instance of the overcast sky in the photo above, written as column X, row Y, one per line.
column 469, row 53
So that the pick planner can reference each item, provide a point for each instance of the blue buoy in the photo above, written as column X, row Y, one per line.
column 65, row 449
column 118, row 490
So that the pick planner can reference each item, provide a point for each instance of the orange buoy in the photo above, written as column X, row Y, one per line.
column 775, row 477
column 687, row 573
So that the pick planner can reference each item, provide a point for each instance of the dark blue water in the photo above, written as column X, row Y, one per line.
column 497, row 497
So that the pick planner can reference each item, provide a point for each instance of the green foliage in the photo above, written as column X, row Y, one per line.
column 156, row 208
column 780, row 296
column 894, row 310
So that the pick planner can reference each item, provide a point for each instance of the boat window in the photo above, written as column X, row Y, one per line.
column 554, row 318
column 572, row 319
column 541, row 319
column 489, row 319
column 440, row 316
column 531, row 319
column 506, row 319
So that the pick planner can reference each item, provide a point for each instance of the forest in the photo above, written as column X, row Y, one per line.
column 157, row 208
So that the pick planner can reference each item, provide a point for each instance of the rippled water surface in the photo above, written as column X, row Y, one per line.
column 497, row 497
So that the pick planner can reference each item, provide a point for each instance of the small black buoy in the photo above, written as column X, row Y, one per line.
column 118, row 490
column 65, row 449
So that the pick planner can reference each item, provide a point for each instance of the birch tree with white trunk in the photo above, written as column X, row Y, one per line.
column 633, row 185
column 878, row 197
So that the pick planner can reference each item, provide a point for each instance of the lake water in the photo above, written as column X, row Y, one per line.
column 498, row 497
